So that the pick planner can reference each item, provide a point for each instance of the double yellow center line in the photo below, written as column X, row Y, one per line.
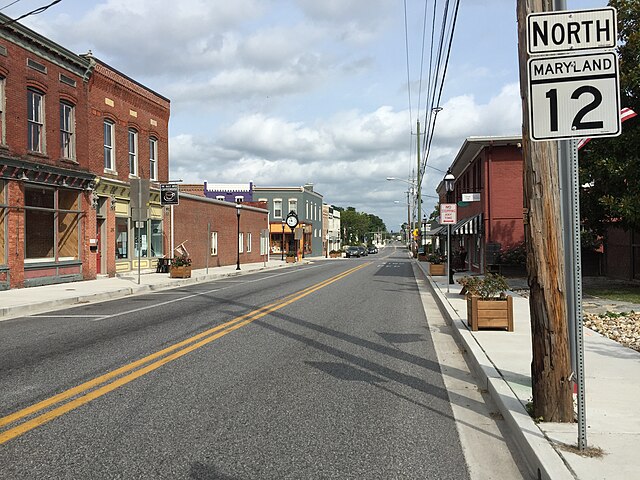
column 99, row 386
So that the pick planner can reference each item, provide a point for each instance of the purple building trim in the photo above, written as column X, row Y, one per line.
column 229, row 192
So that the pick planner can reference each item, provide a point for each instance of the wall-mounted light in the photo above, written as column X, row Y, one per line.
column 23, row 176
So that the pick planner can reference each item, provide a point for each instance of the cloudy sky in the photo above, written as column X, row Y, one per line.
column 285, row 92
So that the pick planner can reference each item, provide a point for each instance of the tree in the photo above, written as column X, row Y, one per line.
column 358, row 226
column 611, row 166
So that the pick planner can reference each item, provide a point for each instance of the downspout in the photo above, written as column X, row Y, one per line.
column 488, row 198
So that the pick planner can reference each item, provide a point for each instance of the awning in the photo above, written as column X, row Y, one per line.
column 437, row 230
column 468, row 226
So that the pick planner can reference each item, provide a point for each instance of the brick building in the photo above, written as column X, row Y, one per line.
column 46, row 214
column 128, row 128
column 491, row 168
column 75, row 133
column 208, row 228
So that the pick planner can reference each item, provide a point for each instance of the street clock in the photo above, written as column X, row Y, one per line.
column 292, row 220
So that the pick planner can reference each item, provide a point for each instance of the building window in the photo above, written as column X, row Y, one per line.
column 52, row 224
column 140, row 240
column 153, row 158
column 35, row 121
column 248, row 242
column 133, row 152
column 277, row 208
column 241, row 242
column 122, row 237
column 3, row 223
column 220, row 197
column 214, row 244
column 156, row 238
column 67, row 129
column 239, row 199
column 293, row 205
column 109, row 128
column 2, row 109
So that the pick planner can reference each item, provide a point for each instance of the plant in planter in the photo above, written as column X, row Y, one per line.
column 335, row 253
column 291, row 257
column 436, row 264
column 488, row 305
column 180, row 267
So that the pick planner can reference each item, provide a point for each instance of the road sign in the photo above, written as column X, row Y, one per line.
column 169, row 194
column 139, row 197
column 574, row 96
column 570, row 31
column 448, row 213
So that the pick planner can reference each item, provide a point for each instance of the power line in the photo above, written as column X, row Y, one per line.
column 12, row 3
column 32, row 12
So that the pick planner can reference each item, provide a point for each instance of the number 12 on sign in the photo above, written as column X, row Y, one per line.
column 574, row 96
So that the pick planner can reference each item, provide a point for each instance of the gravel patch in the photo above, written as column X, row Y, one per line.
column 623, row 328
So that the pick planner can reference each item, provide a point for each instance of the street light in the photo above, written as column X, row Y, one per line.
column 282, row 242
column 449, row 179
column 238, row 207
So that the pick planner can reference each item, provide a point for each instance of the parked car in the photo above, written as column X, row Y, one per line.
column 372, row 249
column 352, row 251
column 362, row 250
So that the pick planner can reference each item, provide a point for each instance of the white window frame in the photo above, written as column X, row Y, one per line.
column 293, row 205
column 248, row 242
column 153, row 158
column 241, row 242
column 239, row 198
column 2, row 110
column 35, row 121
column 220, row 197
column 132, row 138
column 275, row 214
column 213, row 247
column 67, row 130
column 109, row 129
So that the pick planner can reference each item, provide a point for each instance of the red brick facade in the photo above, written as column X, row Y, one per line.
column 47, row 200
column 196, row 218
column 493, row 168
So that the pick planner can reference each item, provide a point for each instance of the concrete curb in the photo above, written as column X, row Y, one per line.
column 7, row 313
column 542, row 459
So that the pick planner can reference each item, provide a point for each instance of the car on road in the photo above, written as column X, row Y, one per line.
column 363, row 251
column 352, row 251
column 372, row 249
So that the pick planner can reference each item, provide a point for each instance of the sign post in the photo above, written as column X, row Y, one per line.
column 573, row 96
column 448, row 217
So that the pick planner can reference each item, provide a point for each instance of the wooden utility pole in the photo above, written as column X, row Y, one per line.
column 551, row 366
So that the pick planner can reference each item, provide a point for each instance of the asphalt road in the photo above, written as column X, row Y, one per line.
column 323, row 371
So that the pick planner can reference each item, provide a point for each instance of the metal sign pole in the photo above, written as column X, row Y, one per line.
column 577, row 275
column 448, row 255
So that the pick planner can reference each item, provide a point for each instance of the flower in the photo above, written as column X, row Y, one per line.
column 181, row 261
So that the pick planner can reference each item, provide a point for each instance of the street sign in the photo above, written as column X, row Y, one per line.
column 470, row 197
column 448, row 213
column 169, row 194
column 139, row 198
column 574, row 96
column 570, row 31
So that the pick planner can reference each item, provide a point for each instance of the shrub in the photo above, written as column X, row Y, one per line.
column 436, row 258
column 514, row 255
column 181, row 261
column 491, row 286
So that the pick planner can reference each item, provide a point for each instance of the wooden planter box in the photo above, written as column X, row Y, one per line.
column 335, row 255
column 437, row 269
column 290, row 259
column 490, row 313
column 180, row 272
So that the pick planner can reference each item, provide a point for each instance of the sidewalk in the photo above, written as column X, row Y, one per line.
column 28, row 301
column 502, row 361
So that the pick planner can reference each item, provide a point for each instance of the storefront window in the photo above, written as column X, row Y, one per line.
column 39, row 224
column 122, row 237
column 140, row 240
column 3, row 215
column 51, row 232
column 68, row 225
column 156, row 238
